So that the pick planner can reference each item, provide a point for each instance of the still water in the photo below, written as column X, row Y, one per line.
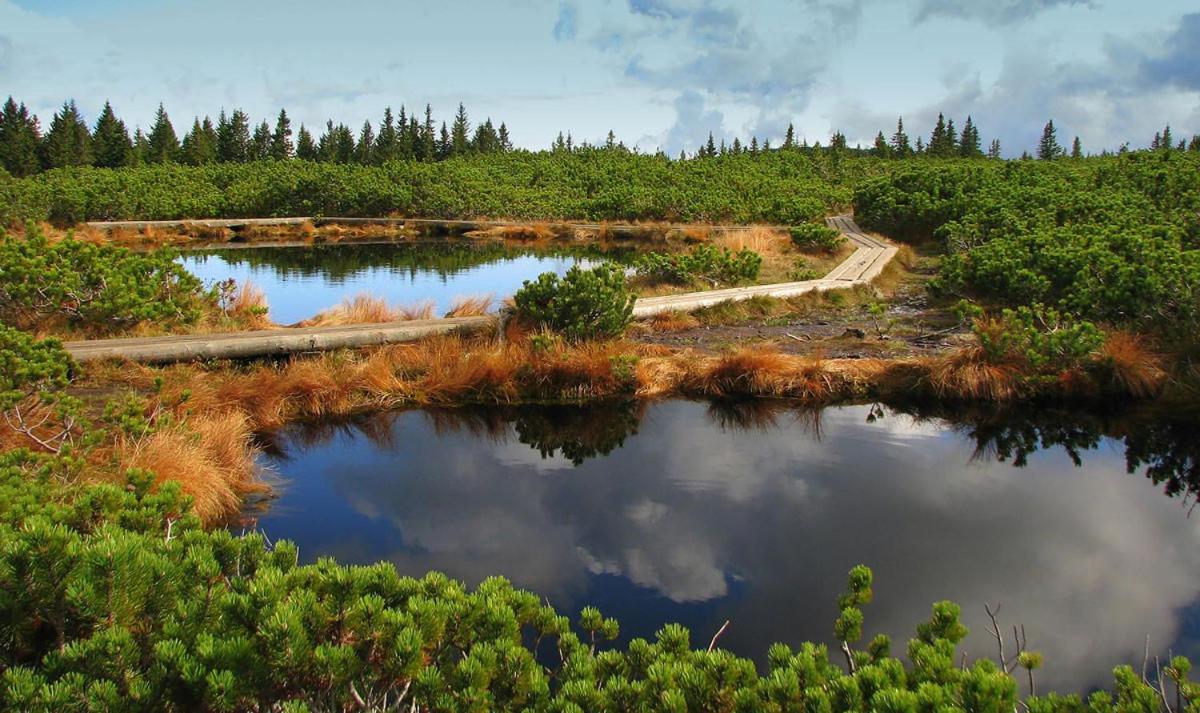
column 701, row 513
column 303, row 280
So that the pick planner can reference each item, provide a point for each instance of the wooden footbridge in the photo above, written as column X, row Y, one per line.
column 870, row 257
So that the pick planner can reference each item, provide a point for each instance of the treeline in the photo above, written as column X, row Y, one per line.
column 68, row 142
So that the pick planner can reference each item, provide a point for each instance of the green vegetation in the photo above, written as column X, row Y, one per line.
column 1108, row 239
column 96, row 288
column 585, row 184
column 705, row 264
column 583, row 304
column 816, row 236
column 118, row 600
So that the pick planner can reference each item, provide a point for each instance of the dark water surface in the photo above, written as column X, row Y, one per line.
column 698, row 513
column 300, row 281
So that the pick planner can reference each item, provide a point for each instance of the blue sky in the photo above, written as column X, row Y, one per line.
column 660, row 73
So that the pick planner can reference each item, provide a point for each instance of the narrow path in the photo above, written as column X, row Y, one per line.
column 868, row 260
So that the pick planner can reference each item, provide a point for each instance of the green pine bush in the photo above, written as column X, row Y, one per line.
column 705, row 264
column 99, row 288
column 582, row 304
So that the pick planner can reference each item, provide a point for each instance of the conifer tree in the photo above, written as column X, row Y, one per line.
column 486, row 140
column 559, row 145
column 365, row 151
column 111, row 145
column 1076, row 148
column 789, row 139
column 344, row 148
column 837, row 142
column 881, row 148
column 710, row 148
column 233, row 137
column 994, row 149
column 919, row 149
column 1194, row 144
column 737, row 146
column 387, row 144
column 141, row 147
column 444, row 146
column 427, row 150
column 754, row 145
column 68, row 142
column 505, row 141
column 281, row 138
column 1048, row 148
column 766, row 145
column 200, row 144
column 460, row 133
column 306, row 147
column 163, row 144
column 937, row 138
column 20, row 138
column 901, row 148
column 260, row 144
column 970, row 145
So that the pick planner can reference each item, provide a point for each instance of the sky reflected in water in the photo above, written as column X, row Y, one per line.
column 299, row 282
column 683, row 511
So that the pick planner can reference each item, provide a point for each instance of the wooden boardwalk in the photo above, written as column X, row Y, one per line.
column 869, row 258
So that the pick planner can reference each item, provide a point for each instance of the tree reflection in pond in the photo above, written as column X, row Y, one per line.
column 697, row 512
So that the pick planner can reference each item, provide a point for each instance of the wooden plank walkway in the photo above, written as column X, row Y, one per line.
column 869, row 258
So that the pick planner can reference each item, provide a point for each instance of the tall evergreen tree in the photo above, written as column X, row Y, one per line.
column 1048, row 148
column 141, row 147
column 460, row 133
column 1076, row 148
column 200, row 144
column 364, row 153
column 260, row 144
column 970, row 146
column 994, row 149
column 111, row 145
column 343, row 144
column 486, row 140
column 789, row 139
column 901, row 148
column 306, row 148
column 710, row 149
column 737, row 146
column 881, row 148
column 837, row 142
column 445, row 144
column 233, row 137
column 919, row 149
column 754, row 145
column 937, row 138
column 387, row 144
column 163, row 142
column 20, row 138
column 427, row 149
column 505, row 141
column 68, row 142
column 1168, row 140
column 1194, row 144
column 281, row 138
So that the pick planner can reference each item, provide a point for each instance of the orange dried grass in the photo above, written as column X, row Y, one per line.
column 470, row 306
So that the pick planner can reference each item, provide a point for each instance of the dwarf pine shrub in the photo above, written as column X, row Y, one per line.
column 704, row 263
column 582, row 304
column 99, row 288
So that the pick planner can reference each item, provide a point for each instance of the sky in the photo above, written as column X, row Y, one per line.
column 661, row 74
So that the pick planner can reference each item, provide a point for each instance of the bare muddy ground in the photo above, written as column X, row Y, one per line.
column 912, row 325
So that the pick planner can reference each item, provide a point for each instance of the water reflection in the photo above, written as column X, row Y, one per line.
column 299, row 281
column 697, row 513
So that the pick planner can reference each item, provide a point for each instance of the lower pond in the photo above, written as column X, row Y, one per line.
column 300, row 281
column 1077, row 528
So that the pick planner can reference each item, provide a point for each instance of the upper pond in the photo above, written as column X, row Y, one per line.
column 699, row 513
column 300, row 281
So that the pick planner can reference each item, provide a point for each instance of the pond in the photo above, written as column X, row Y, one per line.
column 699, row 513
column 300, row 281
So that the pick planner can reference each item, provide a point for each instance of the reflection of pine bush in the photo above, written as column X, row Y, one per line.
column 116, row 599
